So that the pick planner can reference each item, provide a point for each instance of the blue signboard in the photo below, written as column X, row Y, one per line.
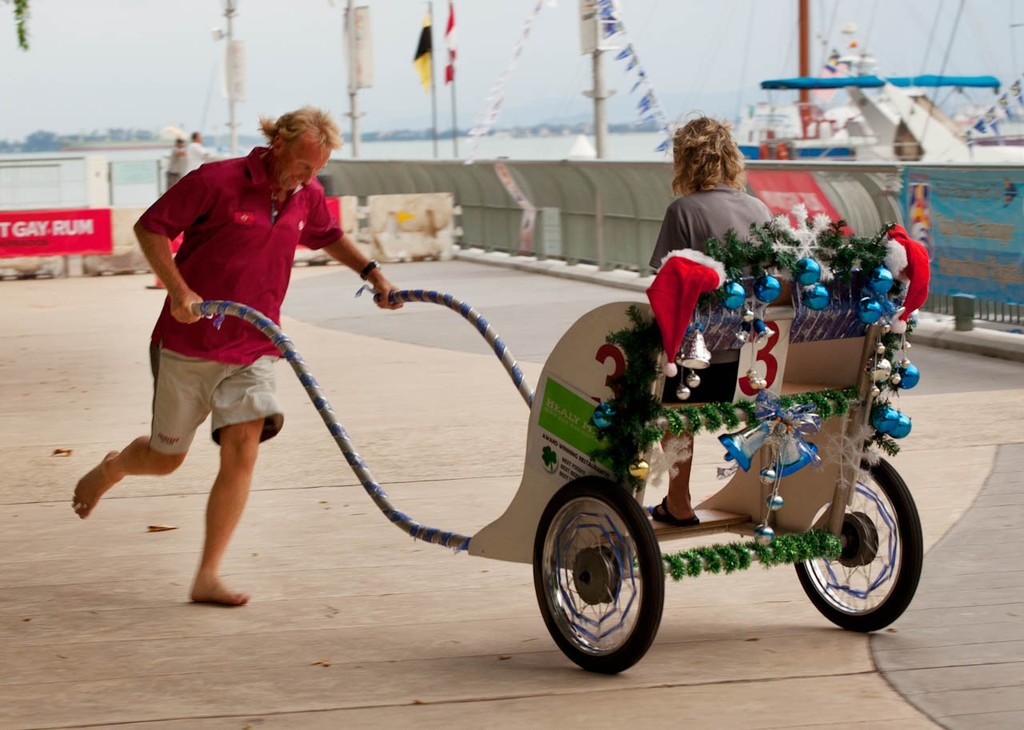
column 972, row 222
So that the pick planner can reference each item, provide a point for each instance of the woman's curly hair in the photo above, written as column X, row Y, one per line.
column 704, row 155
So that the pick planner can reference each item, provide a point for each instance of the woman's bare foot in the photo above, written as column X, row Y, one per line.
column 211, row 590
column 93, row 486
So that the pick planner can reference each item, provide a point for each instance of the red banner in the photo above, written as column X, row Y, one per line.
column 55, row 232
column 781, row 191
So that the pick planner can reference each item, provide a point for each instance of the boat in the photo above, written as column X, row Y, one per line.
column 888, row 119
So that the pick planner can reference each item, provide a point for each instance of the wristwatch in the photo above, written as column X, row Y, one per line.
column 368, row 268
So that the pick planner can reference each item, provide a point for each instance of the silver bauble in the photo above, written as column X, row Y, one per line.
column 764, row 535
column 907, row 346
column 748, row 315
column 895, row 378
column 741, row 336
column 882, row 371
column 775, row 502
column 880, row 348
column 751, row 375
column 886, row 328
column 693, row 380
column 683, row 393
column 875, row 392
column 768, row 476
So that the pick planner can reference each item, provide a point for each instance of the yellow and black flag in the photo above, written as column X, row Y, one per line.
column 422, row 61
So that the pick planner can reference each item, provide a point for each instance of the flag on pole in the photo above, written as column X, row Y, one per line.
column 833, row 67
column 449, row 41
column 421, row 61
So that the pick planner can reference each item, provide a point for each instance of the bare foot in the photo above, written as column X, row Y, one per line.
column 93, row 486
column 211, row 590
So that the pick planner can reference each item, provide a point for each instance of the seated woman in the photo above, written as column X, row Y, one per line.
column 708, row 176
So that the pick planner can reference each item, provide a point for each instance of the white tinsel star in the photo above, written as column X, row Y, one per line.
column 804, row 235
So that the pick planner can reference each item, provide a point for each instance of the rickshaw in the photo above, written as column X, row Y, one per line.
column 599, row 571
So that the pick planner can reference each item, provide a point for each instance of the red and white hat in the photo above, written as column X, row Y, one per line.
column 682, row 278
column 907, row 259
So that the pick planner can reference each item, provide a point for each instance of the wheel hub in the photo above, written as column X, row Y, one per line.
column 596, row 575
column 860, row 540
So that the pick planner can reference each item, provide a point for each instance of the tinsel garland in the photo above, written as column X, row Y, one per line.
column 730, row 557
column 770, row 247
column 633, row 428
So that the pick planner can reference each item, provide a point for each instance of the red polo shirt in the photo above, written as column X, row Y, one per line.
column 233, row 250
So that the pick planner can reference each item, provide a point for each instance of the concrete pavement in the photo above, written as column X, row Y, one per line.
column 353, row 625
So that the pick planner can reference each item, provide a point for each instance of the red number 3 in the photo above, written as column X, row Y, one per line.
column 764, row 354
column 608, row 352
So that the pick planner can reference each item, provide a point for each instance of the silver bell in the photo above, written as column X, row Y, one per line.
column 696, row 354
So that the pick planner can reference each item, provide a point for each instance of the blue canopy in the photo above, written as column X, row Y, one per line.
column 871, row 82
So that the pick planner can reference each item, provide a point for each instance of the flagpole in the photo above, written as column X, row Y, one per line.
column 433, row 84
column 455, row 123
column 451, row 64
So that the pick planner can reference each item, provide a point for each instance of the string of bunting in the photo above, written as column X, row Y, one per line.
column 730, row 557
column 648, row 108
column 1007, row 107
column 485, row 122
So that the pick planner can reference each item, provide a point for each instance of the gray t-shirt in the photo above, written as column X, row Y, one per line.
column 692, row 219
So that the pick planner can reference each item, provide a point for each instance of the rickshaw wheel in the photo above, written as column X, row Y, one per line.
column 873, row 581
column 598, row 575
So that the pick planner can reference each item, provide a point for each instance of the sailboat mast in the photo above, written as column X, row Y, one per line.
column 805, row 46
column 803, row 33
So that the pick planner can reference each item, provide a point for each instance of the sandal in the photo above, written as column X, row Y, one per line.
column 661, row 514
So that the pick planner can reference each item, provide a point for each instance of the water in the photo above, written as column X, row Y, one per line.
column 639, row 147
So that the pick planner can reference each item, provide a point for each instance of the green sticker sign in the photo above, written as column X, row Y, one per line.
column 567, row 415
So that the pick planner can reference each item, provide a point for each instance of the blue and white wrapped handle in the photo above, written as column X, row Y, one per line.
column 217, row 310
column 473, row 317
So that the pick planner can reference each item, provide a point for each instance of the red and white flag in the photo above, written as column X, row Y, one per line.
column 449, row 41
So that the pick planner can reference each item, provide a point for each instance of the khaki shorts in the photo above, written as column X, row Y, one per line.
column 188, row 389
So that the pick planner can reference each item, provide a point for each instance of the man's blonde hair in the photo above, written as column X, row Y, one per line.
column 704, row 155
column 293, row 125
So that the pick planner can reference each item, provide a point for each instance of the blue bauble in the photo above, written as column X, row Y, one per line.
column 909, row 376
column 603, row 415
column 734, row 295
column 764, row 535
column 870, row 310
column 901, row 429
column 885, row 418
column 767, row 288
column 816, row 296
column 807, row 272
column 880, row 281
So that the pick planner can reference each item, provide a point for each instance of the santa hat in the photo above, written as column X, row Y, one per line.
column 907, row 259
column 682, row 278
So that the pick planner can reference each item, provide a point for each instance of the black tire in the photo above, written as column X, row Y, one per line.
column 871, row 584
column 598, row 575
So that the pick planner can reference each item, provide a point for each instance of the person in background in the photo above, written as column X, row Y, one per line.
column 177, row 164
column 242, row 219
column 708, row 175
column 196, row 153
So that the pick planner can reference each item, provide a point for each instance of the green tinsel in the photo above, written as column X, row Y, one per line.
column 730, row 557
column 633, row 427
column 769, row 248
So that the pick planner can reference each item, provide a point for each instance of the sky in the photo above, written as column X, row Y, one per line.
column 150, row 64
